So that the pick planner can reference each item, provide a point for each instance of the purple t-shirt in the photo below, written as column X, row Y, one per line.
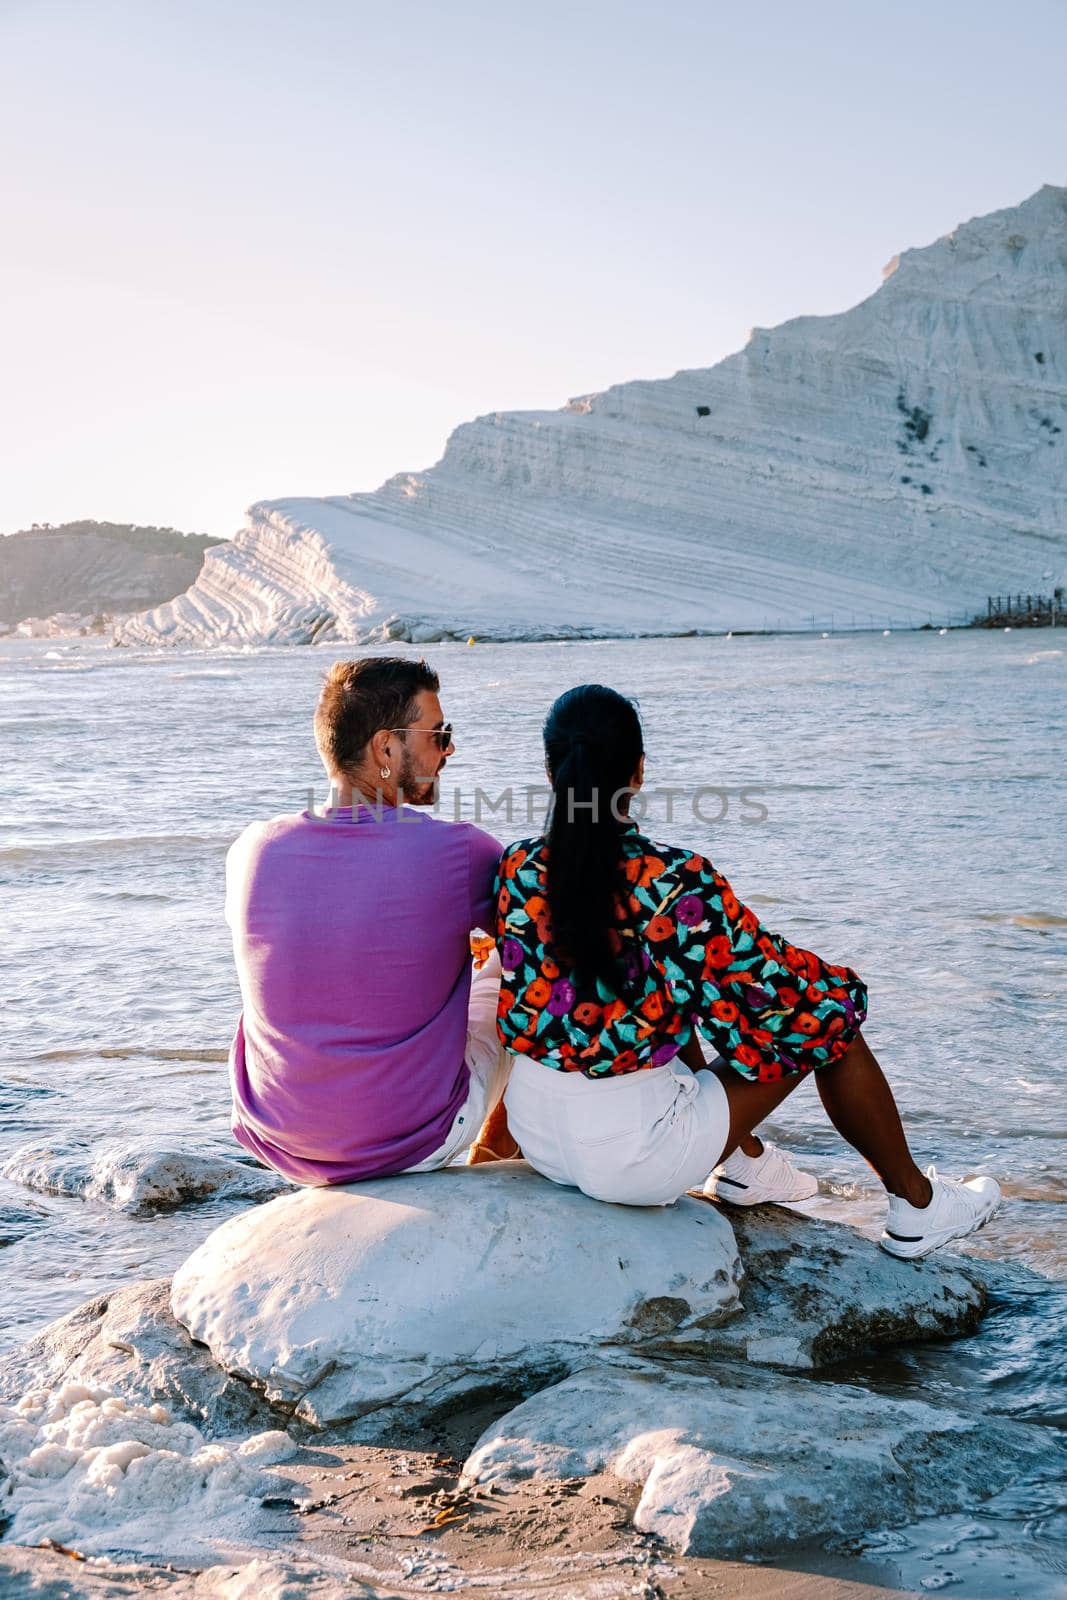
column 352, row 941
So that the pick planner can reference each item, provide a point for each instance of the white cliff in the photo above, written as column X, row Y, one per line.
column 900, row 460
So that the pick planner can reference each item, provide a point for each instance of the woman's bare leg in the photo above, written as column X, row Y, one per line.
column 749, row 1104
column 692, row 1055
column 860, row 1104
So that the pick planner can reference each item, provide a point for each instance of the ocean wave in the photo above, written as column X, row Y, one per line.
column 111, row 844
column 124, row 1052
column 34, row 724
column 17, row 1221
column 204, row 672
column 69, row 666
column 1029, row 1132
column 131, row 894
column 16, row 1097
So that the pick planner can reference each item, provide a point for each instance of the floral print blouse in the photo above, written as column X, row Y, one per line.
column 694, row 957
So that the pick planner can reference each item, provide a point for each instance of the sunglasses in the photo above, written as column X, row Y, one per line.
column 443, row 735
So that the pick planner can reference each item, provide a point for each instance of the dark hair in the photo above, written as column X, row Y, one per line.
column 593, row 745
column 360, row 697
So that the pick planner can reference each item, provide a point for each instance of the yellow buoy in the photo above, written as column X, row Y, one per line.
column 472, row 640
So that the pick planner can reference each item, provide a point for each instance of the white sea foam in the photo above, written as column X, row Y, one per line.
column 93, row 1470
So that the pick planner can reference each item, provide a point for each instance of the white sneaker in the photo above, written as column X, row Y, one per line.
column 760, row 1180
column 956, row 1209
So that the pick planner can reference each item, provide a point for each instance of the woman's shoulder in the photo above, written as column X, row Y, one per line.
column 520, row 851
column 673, row 858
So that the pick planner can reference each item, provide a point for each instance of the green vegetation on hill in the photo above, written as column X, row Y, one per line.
column 160, row 541
column 95, row 569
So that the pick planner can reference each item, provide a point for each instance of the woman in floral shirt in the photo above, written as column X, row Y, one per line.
column 617, row 951
column 692, row 956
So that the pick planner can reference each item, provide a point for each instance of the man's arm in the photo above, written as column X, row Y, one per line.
column 484, row 858
column 763, row 1002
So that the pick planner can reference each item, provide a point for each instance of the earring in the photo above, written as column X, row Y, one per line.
column 383, row 772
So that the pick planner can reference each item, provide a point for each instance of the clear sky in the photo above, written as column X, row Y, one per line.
column 255, row 248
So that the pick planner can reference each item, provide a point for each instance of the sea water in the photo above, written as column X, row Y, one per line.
column 895, row 803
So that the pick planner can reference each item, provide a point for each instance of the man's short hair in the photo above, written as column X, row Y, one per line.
column 360, row 697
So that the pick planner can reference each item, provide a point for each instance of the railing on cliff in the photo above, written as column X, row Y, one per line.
column 1023, row 611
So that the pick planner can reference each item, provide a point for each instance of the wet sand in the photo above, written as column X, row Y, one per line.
column 398, row 1518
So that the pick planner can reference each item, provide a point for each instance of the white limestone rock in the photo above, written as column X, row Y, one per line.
column 341, row 1301
column 898, row 461
column 139, row 1178
column 733, row 1461
column 129, row 1342
column 815, row 1292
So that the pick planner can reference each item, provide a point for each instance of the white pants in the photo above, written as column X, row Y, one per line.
column 489, row 1065
column 641, row 1139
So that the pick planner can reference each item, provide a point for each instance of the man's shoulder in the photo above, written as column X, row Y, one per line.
column 272, row 827
column 483, row 846
column 480, row 845
column 457, row 827
column 266, row 834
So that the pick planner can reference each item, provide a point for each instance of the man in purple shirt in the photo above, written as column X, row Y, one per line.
column 363, row 1047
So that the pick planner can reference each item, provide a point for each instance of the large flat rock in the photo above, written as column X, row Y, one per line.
column 737, row 1461
column 339, row 1302
column 643, row 1341
column 343, row 1300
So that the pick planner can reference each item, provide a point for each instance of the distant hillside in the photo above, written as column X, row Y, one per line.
column 95, row 567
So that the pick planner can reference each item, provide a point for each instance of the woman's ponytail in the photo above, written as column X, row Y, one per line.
column 593, row 747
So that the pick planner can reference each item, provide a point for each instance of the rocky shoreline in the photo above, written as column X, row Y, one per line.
column 473, row 1379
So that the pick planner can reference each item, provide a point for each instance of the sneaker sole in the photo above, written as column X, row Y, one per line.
column 741, row 1201
column 929, row 1243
